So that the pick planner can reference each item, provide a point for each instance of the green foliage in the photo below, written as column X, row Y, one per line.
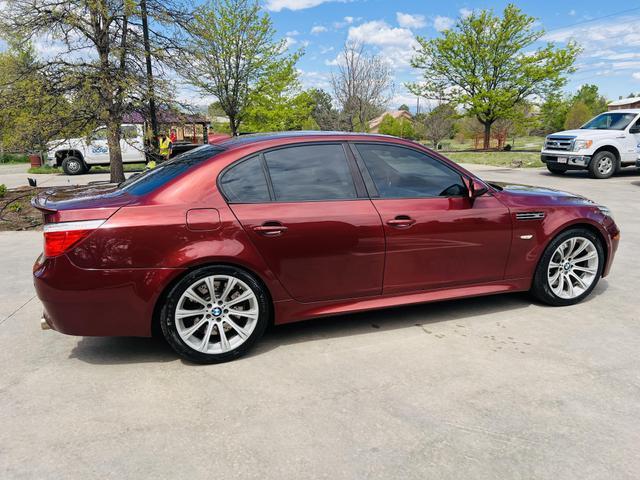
column 404, row 107
column 398, row 127
column 325, row 116
column 487, row 64
column 589, row 95
column 13, row 158
column 232, row 52
column 3, row 190
column 553, row 113
column 439, row 124
column 578, row 115
column 277, row 103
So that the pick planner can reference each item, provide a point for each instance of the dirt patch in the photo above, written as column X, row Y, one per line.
column 16, row 212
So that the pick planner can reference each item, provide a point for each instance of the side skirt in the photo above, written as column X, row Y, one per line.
column 289, row 311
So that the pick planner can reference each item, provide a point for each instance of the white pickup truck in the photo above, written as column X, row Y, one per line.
column 603, row 145
column 77, row 155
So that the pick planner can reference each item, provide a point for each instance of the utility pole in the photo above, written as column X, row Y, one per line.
column 150, row 90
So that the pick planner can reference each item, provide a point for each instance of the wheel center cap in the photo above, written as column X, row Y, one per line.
column 217, row 311
column 567, row 266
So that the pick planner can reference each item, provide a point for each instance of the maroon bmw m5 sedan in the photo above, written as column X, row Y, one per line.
column 212, row 246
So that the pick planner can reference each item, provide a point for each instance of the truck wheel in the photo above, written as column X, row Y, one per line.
column 73, row 166
column 556, row 170
column 603, row 165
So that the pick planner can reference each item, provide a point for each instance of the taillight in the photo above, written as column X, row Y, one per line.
column 60, row 237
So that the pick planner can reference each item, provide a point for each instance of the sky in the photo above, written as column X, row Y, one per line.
column 609, row 33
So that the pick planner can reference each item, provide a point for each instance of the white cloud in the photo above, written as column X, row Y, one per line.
column 289, row 42
column 636, row 75
column 409, row 20
column 278, row 5
column 441, row 23
column 318, row 29
column 465, row 12
column 572, row 13
column 315, row 79
column 344, row 22
column 348, row 20
column 325, row 50
column 293, row 33
column 395, row 44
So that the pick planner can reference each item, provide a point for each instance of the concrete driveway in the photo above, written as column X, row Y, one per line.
column 488, row 388
column 16, row 175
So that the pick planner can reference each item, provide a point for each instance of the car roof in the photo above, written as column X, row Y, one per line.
column 255, row 138
column 624, row 110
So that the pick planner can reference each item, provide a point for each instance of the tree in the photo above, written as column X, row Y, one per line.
column 404, row 107
column 323, row 113
column 486, row 64
column 578, row 115
column 398, row 127
column 439, row 123
column 278, row 103
column 553, row 112
column 361, row 85
column 232, row 48
column 590, row 96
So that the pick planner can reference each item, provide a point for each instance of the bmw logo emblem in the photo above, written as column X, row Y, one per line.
column 216, row 312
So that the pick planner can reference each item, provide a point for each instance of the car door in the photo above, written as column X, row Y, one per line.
column 131, row 143
column 436, row 236
column 317, row 231
column 632, row 143
column 97, row 149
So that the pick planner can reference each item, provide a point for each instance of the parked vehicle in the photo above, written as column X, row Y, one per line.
column 213, row 246
column 602, row 146
column 78, row 155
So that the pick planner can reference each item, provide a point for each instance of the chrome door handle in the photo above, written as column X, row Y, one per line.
column 401, row 221
column 270, row 230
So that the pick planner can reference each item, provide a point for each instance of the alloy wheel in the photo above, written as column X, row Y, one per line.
column 605, row 165
column 216, row 314
column 573, row 267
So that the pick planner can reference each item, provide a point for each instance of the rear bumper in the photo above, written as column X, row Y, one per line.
column 93, row 302
column 567, row 160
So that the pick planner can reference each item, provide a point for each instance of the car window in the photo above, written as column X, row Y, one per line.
column 399, row 172
column 99, row 134
column 310, row 172
column 128, row 132
column 149, row 180
column 609, row 121
column 245, row 182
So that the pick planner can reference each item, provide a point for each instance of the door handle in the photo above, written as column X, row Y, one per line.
column 401, row 221
column 270, row 229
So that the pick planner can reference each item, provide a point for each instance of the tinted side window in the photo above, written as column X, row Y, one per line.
column 310, row 172
column 245, row 182
column 399, row 172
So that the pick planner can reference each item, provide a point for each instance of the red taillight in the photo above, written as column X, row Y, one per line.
column 60, row 237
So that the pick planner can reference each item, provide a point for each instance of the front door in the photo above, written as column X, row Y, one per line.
column 300, row 207
column 436, row 236
column 97, row 150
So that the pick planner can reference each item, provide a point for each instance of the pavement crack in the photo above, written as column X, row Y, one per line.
column 16, row 310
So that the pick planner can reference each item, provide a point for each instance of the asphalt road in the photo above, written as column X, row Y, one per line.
column 487, row 388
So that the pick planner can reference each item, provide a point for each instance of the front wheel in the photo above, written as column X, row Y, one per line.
column 603, row 165
column 556, row 170
column 73, row 166
column 569, row 268
column 215, row 314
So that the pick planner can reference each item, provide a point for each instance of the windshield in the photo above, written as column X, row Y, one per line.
column 609, row 121
column 149, row 180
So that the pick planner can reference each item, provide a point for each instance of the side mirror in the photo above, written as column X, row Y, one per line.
column 476, row 188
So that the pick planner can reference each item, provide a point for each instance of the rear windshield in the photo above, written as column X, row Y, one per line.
column 149, row 180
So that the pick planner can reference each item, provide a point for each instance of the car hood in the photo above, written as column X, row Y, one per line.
column 526, row 195
column 587, row 133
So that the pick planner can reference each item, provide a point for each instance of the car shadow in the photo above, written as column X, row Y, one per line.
column 130, row 350
column 583, row 174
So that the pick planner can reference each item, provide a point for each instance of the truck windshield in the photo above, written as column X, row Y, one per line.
column 609, row 121
column 149, row 180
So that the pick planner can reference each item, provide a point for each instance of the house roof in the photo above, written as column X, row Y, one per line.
column 166, row 116
column 624, row 101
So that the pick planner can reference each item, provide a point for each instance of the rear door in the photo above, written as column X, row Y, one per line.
column 436, row 235
column 303, row 209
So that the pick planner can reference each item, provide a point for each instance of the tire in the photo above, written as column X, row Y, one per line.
column 603, row 164
column 186, row 333
column 556, row 170
column 73, row 166
column 547, row 286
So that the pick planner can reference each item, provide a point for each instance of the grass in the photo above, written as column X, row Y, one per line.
column 497, row 159
column 13, row 158
column 520, row 143
column 128, row 167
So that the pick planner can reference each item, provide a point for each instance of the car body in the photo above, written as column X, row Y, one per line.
column 274, row 207
column 603, row 145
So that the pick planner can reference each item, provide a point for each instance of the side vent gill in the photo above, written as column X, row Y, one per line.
column 530, row 216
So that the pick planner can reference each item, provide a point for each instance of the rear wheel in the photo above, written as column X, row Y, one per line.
column 556, row 170
column 603, row 165
column 73, row 166
column 215, row 314
column 569, row 269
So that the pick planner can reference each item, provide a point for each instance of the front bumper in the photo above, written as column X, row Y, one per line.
column 568, row 160
column 95, row 302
